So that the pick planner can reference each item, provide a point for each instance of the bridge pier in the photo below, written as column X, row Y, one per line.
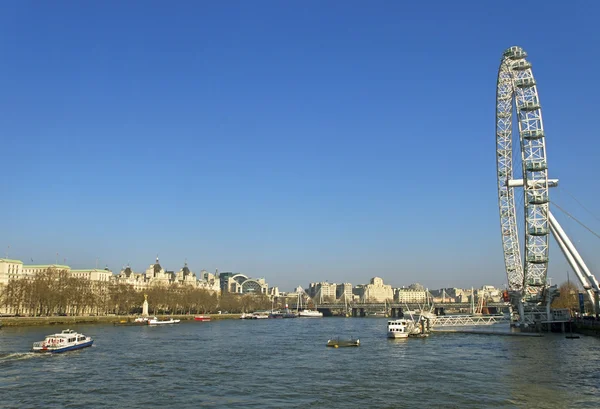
column 396, row 312
column 358, row 312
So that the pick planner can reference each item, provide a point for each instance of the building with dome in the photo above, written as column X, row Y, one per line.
column 128, row 276
column 185, row 276
column 155, row 274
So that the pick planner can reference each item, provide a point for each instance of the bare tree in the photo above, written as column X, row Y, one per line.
column 568, row 297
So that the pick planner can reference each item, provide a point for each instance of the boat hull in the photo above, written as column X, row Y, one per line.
column 398, row 335
column 310, row 314
column 52, row 350
column 343, row 343
column 152, row 322
column 130, row 324
column 202, row 319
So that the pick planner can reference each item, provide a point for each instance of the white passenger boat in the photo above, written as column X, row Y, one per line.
column 254, row 316
column 402, row 328
column 68, row 340
column 310, row 314
column 156, row 321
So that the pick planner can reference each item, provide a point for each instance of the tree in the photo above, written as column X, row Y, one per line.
column 568, row 297
column 230, row 302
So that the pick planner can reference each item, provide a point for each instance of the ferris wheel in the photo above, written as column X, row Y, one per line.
column 517, row 92
column 516, row 87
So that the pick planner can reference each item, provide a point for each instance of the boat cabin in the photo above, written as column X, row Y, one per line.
column 397, row 326
column 67, row 336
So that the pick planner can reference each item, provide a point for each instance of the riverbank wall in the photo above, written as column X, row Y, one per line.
column 104, row 319
column 588, row 328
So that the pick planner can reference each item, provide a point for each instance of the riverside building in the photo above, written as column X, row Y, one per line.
column 410, row 296
column 155, row 274
column 375, row 291
column 11, row 270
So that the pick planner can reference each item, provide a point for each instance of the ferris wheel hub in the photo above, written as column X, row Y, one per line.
column 530, row 183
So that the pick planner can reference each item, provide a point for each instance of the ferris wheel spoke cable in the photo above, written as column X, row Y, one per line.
column 574, row 218
column 580, row 204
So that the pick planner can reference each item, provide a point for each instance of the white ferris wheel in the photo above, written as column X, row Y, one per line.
column 517, row 91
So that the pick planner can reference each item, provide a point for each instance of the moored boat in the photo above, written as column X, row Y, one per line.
column 339, row 342
column 398, row 328
column 135, row 323
column 156, row 321
column 67, row 340
column 202, row 318
column 255, row 316
column 377, row 314
column 404, row 328
column 310, row 314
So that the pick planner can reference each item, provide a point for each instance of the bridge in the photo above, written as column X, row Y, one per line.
column 396, row 310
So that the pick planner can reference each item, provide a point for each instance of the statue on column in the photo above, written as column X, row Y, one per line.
column 145, row 306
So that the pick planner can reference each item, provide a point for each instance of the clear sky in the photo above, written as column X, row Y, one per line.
column 298, row 141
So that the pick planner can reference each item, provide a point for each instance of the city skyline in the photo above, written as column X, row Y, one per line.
column 197, row 271
column 295, row 142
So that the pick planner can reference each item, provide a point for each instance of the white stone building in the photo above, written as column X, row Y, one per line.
column 92, row 274
column 9, row 270
column 323, row 291
column 377, row 291
column 410, row 296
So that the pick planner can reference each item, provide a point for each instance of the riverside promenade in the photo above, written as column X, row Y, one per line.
column 103, row 319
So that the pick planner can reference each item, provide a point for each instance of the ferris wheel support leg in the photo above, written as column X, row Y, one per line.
column 521, row 308
column 587, row 279
column 572, row 262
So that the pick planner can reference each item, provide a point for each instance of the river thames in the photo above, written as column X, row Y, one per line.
column 285, row 363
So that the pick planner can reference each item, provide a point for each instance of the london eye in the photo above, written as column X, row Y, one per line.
column 518, row 101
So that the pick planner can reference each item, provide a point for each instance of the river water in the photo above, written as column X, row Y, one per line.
column 285, row 363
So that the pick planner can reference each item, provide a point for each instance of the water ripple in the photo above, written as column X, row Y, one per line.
column 277, row 363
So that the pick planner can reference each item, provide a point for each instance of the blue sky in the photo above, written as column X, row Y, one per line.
column 296, row 141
